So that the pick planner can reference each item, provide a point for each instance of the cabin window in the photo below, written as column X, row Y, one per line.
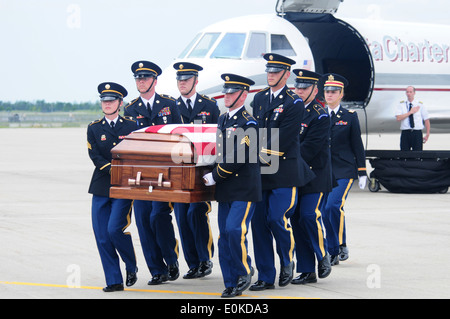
column 257, row 45
column 281, row 45
column 204, row 45
column 230, row 47
column 189, row 47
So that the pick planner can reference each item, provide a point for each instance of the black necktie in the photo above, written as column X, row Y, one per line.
column 149, row 109
column 112, row 125
column 411, row 117
column 333, row 115
column 272, row 97
column 189, row 105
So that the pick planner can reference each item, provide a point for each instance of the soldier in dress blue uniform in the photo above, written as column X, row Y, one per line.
column 236, row 175
column 192, row 219
column 279, row 111
column 110, row 216
column 348, row 163
column 194, row 107
column 153, row 219
column 315, row 149
column 151, row 108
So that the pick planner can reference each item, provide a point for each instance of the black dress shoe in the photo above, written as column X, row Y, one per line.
column 244, row 281
column 131, row 278
column 286, row 274
column 112, row 288
column 158, row 279
column 230, row 292
column 205, row 268
column 334, row 260
column 174, row 272
column 343, row 252
column 261, row 285
column 191, row 274
column 324, row 267
column 305, row 278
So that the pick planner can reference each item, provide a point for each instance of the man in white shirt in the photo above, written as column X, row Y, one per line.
column 413, row 117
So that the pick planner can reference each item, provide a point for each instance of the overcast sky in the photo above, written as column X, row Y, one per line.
column 60, row 50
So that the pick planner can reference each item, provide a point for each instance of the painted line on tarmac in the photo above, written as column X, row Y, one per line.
column 142, row 290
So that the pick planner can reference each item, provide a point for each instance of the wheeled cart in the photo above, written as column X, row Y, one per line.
column 409, row 171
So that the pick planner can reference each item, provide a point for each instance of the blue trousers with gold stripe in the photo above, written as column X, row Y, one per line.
column 334, row 218
column 110, row 218
column 195, row 231
column 234, row 220
column 271, row 220
column 310, row 241
column 159, row 245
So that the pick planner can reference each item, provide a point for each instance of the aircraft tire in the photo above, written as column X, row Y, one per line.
column 374, row 185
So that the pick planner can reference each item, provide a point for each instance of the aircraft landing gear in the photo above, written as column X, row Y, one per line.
column 374, row 185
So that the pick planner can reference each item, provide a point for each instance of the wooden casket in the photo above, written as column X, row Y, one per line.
column 164, row 163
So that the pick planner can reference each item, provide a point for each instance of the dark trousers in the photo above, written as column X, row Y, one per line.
column 157, row 235
column 195, row 232
column 309, row 235
column 234, row 220
column 271, row 220
column 411, row 140
column 334, row 217
column 110, row 218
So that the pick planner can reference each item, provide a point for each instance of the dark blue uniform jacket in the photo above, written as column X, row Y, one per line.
column 237, row 171
column 205, row 110
column 101, row 138
column 164, row 111
column 315, row 147
column 284, row 114
column 347, row 150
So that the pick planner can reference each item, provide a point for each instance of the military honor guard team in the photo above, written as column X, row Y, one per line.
column 293, row 193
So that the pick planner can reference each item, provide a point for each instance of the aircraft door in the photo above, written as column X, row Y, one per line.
column 337, row 47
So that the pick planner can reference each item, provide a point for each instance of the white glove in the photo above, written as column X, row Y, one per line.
column 362, row 181
column 209, row 180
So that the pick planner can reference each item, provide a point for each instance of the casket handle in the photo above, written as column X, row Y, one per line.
column 138, row 178
column 138, row 181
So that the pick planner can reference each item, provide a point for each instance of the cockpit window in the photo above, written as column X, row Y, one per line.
column 281, row 45
column 188, row 48
column 256, row 46
column 230, row 47
column 204, row 45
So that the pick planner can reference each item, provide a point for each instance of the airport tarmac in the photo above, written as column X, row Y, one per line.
column 398, row 243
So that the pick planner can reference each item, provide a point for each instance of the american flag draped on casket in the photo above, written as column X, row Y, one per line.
column 202, row 136
column 164, row 163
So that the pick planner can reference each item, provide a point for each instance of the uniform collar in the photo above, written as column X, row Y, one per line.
column 275, row 94
column 336, row 110
column 109, row 121
column 192, row 98
column 230, row 114
column 151, row 101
